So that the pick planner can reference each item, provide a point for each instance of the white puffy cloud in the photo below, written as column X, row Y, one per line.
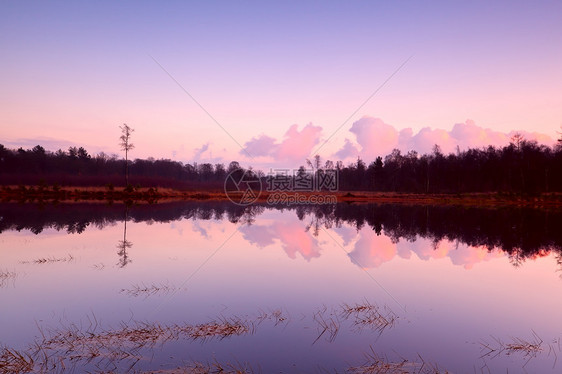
column 376, row 138
column 294, row 148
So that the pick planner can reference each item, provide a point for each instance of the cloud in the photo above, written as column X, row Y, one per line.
column 349, row 150
column 260, row 146
column 376, row 138
column 295, row 147
column 199, row 151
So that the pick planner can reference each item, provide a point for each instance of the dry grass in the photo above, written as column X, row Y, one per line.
column 49, row 260
column 517, row 345
column 367, row 315
column 376, row 364
column 210, row 368
column 276, row 315
column 6, row 277
column 141, row 334
column 144, row 290
column 327, row 322
column 12, row 361
column 528, row 349
column 74, row 348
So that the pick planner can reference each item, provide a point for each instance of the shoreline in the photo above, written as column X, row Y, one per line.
column 31, row 194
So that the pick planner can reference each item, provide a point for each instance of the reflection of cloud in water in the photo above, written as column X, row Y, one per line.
column 197, row 228
column 292, row 236
column 468, row 256
column 346, row 233
column 259, row 235
column 177, row 228
column 372, row 251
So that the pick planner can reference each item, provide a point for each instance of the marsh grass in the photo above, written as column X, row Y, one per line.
column 526, row 348
column 275, row 315
column 90, row 347
column 12, row 361
column 327, row 324
column 367, row 315
column 376, row 364
column 6, row 277
column 49, row 260
column 74, row 348
column 144, row 290
column 214, row 367
column 517, row 345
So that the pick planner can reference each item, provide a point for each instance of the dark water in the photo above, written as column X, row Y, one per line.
column 312, row 288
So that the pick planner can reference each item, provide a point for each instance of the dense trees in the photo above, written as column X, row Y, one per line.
column 520, row 167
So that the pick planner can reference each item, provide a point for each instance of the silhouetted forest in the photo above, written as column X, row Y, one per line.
column 523, row 167
column 521, row 232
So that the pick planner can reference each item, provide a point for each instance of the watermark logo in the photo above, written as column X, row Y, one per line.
column 283, row 186
column 284, row 198
column 302, row 180
column 242, row 187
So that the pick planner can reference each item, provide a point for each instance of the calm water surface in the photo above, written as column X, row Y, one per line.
column 458, row 287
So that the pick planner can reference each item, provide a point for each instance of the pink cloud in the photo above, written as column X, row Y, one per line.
column 376, row 138
column 292, row 236
column 295, row 147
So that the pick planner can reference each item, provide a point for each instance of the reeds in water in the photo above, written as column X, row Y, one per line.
column 144, row 290
column 49, row 260
column 6, row 277
column 367, row 315
column 12, row 361
column 376, row 364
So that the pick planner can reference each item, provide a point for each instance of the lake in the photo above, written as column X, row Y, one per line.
column 334, row 288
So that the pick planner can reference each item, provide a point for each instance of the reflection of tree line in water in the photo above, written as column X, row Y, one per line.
column 76, row 217
column 522, row 232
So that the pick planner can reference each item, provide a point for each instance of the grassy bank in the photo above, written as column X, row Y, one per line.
column 56, row 193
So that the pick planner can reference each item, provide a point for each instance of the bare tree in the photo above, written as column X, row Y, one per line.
column 517, row 140
column 126, row 145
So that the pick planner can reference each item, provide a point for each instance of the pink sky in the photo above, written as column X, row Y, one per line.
column 279, row 79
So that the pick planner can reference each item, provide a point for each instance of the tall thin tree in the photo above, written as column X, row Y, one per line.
column 126, row 145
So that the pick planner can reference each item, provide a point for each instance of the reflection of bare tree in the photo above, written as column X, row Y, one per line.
column 124, row 244
column 315, row 225
column 559, row 263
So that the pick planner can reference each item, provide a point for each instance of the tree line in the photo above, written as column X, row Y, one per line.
column 520, row 167
column 523, row 167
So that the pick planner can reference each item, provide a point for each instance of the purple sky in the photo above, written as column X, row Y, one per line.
column 279, row 78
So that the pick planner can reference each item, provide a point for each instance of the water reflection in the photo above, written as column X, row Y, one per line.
column 372, row 234
column 254, row 273
column 124, row 245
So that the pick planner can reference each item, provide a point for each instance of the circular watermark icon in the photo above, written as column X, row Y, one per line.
column 242, row 187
